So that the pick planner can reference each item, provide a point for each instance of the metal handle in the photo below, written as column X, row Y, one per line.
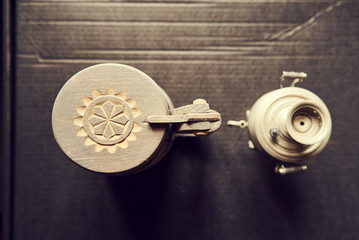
column 297, row 77
column 190, row 120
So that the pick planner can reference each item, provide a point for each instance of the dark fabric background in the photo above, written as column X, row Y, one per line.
column 227, row 52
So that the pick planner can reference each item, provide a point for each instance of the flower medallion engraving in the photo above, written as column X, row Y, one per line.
column 107, row 120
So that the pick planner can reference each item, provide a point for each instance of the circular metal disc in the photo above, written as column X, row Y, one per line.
column 99, row 118
column 273, row 110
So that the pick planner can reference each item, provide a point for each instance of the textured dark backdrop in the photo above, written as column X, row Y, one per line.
column 228, row 52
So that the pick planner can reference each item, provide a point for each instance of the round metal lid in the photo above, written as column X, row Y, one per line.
column 99, row 118
column 301, row 117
